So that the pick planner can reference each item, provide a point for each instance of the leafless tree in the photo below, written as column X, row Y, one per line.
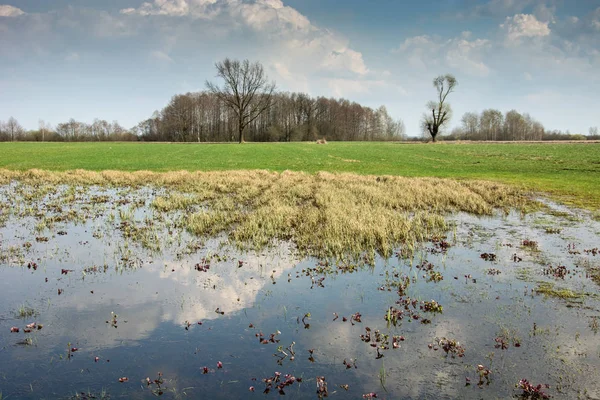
column 44, row 129
column 204, row 117
column 470, row 122
column 515, row 126
column 3, row 131
column 13, row 128
column 440, row 110
column 246, row 91
column 490, row 124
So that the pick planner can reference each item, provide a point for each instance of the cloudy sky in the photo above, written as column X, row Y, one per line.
column 123, row 59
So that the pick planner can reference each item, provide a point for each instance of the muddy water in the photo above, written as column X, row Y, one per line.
column 122, row 291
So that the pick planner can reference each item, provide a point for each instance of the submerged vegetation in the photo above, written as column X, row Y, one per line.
column 548, row 289
column 322, row 215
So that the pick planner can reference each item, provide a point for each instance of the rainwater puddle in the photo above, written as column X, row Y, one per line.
column 107, row 292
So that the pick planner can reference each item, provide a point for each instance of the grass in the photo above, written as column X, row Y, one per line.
column 382, row 375
column 567, row 171
column 548, row 289
column 26, row 312
column 323, row 214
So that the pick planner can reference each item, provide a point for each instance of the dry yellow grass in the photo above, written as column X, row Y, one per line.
column 324, row 214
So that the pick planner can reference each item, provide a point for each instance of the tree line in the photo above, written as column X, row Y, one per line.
column 203, row 117
column 493, row 125
column 71, row 131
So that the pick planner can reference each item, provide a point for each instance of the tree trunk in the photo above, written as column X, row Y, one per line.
column 241, row 133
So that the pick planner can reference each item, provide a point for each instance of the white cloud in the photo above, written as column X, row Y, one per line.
column 160, row 7
column 467, row 54
column 294, row 82
column 174, row 8
column 459, row 53
column 10, row 11
column 351, row 87
column 270, row 14
column 524, row 26
column 161, row 56
column 346, row 58
column 297, row 41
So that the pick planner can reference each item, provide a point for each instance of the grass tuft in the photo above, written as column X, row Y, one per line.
column 323, row 214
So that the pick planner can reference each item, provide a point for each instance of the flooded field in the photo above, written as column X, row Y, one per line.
column 108, row 293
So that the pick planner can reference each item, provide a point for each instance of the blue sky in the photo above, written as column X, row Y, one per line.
column 123, row 59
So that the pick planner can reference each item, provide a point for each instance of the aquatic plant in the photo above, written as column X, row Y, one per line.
column 501, row 343
column 450, row 346
column 282, row 354
column 552, row 230
column 488, row 256
column 558, row 272
column 431, row 306
column 530, row 244
column 548, row 289
column 158, row 382
column 321, row 387
column 113, row 320
column 279, row 383
column 25, row 311
column 533, row 392
column 483, row 372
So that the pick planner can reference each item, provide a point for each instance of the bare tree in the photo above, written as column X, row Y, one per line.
column 203, row 116
column 470, row 122
column 44, row 128
column 14, row 129
column 3, row 131
column 490, row 123
column 515, row 126
column 246, row 91
column 440, row 110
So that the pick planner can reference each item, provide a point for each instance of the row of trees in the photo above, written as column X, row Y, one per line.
column 11, row 130
column 491, row 124
column 72, row 130
column 204, row 116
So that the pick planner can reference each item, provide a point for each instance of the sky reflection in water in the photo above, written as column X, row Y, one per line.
column 269, row 293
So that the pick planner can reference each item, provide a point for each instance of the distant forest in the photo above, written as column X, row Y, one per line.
column 513, row 126
column 202, row 117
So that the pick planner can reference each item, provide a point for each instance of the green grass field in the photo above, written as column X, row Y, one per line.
column 571, row 172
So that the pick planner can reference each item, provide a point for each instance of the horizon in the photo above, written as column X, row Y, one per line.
column 123, row 59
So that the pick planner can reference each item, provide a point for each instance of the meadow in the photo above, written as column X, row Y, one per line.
column 567, row 171
column 366, row 270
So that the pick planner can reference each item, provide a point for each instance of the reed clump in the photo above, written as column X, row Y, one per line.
column 323, row 214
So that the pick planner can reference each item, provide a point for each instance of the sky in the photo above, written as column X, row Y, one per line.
column 123, row 59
